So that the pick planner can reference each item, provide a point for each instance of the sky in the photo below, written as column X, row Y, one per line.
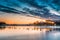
column 28, row 11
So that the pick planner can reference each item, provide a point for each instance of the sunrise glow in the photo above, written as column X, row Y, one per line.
column 17, row 19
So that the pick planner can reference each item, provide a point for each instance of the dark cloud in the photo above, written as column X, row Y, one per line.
column 32, row 3
column 41, row 10
column 8, row 9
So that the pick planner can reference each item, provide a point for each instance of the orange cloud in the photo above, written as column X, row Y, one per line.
column 16, row 19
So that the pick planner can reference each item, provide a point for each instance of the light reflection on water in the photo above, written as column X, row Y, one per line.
column 23, row 33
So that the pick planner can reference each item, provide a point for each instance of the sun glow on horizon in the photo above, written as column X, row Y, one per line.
column 17, row 19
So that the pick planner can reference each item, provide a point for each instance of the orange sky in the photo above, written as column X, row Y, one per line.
column 17, row 19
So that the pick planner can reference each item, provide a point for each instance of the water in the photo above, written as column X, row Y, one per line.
column 27, row 33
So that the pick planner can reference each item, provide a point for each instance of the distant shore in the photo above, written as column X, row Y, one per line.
column 25, row 25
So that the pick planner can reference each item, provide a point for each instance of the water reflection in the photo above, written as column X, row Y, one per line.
column 54, row 35
column 2, row 27
column 28, row 33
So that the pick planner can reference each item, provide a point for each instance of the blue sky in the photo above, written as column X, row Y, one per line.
column 48, row 9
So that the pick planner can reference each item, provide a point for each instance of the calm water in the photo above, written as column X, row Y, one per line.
column 23, row 33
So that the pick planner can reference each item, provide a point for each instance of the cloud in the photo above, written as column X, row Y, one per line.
column 16, row 18
column 31, row 8
column 55, row 12
column 8, row 9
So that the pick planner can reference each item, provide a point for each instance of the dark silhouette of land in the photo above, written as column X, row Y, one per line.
column 2, row 25
column 47, row 23
column 57, row 23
